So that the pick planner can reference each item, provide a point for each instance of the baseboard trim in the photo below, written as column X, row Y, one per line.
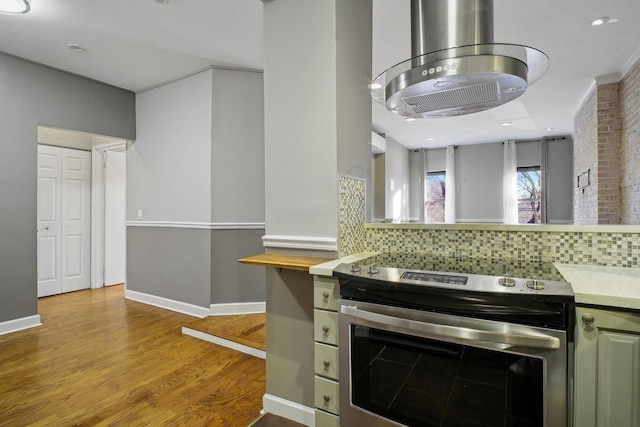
column 288, row 409
column 238, row 308
column 20, row 324
column 224, row 342
column 178, row 306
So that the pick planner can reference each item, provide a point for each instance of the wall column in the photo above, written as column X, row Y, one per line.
column 317, row 127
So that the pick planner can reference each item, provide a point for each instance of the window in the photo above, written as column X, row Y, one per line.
column 435, row 189
column 529, row 195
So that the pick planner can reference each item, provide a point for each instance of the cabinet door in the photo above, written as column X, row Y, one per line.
column 607, row 368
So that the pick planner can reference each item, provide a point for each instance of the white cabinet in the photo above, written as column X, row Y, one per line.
column 607, row 368
column 326, row 294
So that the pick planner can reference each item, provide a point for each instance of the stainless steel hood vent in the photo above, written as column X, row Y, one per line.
column 456, row 68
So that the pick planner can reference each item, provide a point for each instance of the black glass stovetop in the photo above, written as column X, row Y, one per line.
column 525, row 269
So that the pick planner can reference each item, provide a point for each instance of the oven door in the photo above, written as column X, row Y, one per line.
column 404, row 367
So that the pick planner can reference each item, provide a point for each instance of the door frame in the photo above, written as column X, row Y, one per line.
column 97, row 210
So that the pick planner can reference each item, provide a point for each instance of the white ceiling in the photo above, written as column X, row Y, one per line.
column 139, row 44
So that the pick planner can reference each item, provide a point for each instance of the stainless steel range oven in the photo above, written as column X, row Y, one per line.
column 437, row 344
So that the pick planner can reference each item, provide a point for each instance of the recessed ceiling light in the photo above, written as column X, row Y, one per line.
column 162, row 1
column 512, row 89
column 76, row 47
column 409, row 119
column 506, row 124
column 431, row 138
column 15, row 6
column 603, row 20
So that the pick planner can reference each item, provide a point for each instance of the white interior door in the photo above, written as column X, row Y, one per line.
column 114, row 217
column 64, row 187
column 49, row 220
column 76, row 219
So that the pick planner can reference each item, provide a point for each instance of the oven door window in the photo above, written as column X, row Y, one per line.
column 422, row 382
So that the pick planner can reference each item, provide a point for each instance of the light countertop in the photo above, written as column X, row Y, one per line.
column 326, row 269
column 606, row 286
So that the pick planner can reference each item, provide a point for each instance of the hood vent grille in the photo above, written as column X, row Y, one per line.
column 453, row 98
column 456, row 68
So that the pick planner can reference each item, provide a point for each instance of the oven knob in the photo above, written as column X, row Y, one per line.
column 373, row 269
column 354, row 268
column 507, row 281
column 535, row 284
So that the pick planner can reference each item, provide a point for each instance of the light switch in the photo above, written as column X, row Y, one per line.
column 139, row 213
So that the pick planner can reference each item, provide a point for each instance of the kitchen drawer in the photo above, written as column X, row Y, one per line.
column 326, row 291
column 325, row 326
column 326, row 360
column 326, row 395
column 325, row 419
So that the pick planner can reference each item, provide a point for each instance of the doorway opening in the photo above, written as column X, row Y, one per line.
column 105, row 249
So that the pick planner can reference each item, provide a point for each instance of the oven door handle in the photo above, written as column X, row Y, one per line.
column 465, row 334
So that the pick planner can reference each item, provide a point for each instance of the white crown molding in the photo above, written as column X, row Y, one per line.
column 238, row 308
column 289, row 410
column 20, row 324
column 630, row 62
column 199, row 225
column 300, row 242
column 168, row 304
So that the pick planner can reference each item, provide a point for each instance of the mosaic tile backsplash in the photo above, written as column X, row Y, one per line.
column 606, row 249
column 352, row 216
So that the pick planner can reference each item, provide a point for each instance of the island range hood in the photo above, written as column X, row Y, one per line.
column 456, row 68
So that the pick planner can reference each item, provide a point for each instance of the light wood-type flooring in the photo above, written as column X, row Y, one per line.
column 101, row 360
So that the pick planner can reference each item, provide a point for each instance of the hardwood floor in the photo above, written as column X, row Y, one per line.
column 270, row 420
column 102, row 360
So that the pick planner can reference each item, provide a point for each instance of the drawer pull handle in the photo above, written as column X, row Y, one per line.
column 325, row 294
column 326, row 398
column 325, row 328
column 588, row 318
column 326, row 363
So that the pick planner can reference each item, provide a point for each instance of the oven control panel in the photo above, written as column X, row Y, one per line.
column 438, row 278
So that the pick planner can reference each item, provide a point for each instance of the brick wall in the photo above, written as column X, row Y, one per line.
column 630, row 146
column 608, row 146
column 585, row 200
column 607, row 141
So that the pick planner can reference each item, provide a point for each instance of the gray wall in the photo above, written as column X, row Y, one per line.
column 479, row 183
column 171, row 263
column 353, row 104
column 378, row 171
column 237, row 147
column 32, row 95
column 479, row 178
column 397, row 169
column 169, row 165
column 317, row 126
column 197, row 168
column 561, row 181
